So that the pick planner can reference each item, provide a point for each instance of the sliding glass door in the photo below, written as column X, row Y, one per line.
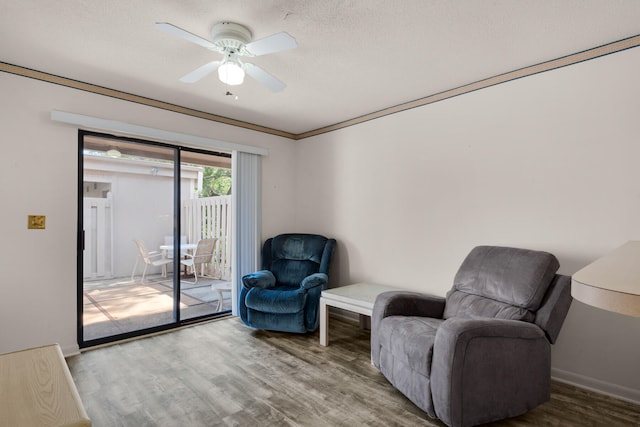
column 153, row 241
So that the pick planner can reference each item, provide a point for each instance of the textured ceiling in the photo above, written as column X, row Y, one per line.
column 353, row 57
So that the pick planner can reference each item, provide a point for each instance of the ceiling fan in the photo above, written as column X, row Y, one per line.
column 233, row 41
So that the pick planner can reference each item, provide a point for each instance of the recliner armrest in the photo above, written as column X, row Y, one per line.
column 260, row 279
column 405, row 303
column 479, row 364
column 401, row 303
column 316, row 279
column 460, row 331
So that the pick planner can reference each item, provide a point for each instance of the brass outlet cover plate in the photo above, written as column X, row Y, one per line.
column 36, row 222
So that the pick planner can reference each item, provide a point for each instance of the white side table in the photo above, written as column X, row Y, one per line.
column 358, row 298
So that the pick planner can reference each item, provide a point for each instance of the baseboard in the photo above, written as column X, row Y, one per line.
column 598, row 386
column 70, row 350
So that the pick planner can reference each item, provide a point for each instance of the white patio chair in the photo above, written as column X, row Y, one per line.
column 202, row 255
column 154, row 258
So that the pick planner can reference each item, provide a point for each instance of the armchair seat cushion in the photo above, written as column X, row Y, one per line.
column 410, row 340
column 279, row 300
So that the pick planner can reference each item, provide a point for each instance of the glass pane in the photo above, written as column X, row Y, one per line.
column 128, row 210
column 205, row 253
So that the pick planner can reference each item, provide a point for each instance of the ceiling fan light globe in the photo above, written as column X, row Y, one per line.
column 113, row 152
column 231, row 74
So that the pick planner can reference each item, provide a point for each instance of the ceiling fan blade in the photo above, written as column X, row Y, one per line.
column 263, row 77
column 199, row 73
column 271, row 44
column 172, row 29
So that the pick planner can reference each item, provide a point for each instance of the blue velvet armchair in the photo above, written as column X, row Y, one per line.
column 285, row 295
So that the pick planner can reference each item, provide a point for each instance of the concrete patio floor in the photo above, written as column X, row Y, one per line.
column 121, row 305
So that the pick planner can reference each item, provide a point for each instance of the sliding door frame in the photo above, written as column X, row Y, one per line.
column 177, row 321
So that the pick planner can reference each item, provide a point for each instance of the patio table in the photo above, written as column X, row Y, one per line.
column 184, row 247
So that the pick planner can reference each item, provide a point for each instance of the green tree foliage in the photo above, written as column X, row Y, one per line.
column 216, row 182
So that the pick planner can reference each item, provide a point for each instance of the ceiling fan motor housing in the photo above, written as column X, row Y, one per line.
column 230, row 37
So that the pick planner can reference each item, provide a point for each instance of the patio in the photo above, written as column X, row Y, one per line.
column 121, row 305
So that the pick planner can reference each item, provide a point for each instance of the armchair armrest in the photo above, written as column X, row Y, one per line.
column 155, row 254
column 484, row 367
column 316, row 279
column 260, row 279
column 405, row 303
column 402, row 303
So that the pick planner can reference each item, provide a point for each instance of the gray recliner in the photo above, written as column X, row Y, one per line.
column 483, row 353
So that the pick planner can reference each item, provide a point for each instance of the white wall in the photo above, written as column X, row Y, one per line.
column 547, row 162
column 38, row 175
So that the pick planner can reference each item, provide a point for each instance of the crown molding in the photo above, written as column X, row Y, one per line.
column 553, row 64
column 100, row 90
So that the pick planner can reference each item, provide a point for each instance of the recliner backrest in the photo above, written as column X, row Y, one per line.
column 500, row 282
column 292, row 257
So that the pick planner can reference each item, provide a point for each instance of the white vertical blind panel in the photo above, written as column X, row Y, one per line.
column 245, row 209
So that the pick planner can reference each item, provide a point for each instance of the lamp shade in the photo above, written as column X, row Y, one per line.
column 231, row 73
column 611, row 282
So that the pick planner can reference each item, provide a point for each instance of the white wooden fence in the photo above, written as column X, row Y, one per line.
column 203, row 218
column 211, row 217
column 97, row 259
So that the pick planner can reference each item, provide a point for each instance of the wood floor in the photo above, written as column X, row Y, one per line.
column 224, row 374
